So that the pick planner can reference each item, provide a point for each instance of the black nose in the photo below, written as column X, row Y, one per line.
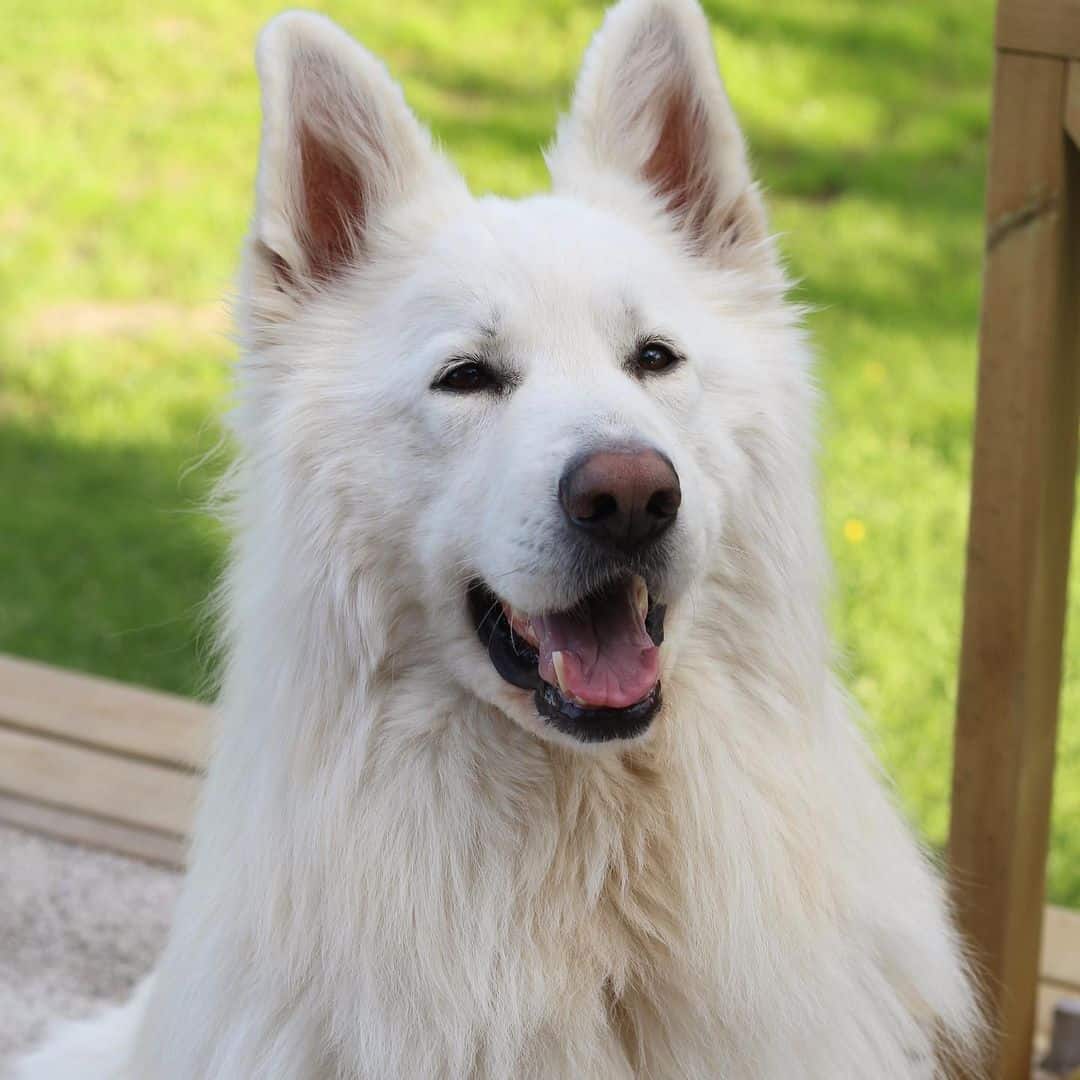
column 624, row 497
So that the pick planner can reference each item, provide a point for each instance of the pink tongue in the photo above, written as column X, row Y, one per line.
column 608, row 659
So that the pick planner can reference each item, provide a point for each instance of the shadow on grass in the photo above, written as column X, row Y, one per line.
column 944, row 42
column 106, row 558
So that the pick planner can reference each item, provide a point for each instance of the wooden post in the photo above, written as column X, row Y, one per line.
column 1023, row 483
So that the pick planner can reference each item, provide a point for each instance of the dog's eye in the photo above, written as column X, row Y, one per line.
column 468, row 377
column 654, row 356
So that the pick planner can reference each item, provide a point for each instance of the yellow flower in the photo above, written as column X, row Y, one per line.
column 854, row 531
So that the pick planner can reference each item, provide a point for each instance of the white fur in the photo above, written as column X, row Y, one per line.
column 397, row 870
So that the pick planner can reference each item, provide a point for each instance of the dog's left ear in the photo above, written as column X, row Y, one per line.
column 650, row 107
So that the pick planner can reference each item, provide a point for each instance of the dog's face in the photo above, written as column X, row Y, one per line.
column 561, row 395
column 531, row 417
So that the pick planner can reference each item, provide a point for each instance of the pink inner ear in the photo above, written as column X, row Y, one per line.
column 674, row 169
column 679, row 173
column 333, row 206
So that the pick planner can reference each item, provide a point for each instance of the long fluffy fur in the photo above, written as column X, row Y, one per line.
column 392, row 877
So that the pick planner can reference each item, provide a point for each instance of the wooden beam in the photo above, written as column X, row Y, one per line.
column 97, row 783
column 103, row 714
column 1024, row 469
column 95, row 832
column 1047, row 27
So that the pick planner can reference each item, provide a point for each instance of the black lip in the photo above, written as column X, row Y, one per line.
column 511, row 657
column 597, row 725
column 517, row 662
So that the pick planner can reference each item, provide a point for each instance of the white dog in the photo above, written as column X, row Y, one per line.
column 531, row 763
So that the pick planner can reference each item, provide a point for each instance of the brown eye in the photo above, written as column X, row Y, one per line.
column 468, row 377
column 655, row 356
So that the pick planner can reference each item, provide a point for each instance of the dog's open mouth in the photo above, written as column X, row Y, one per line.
column 595, row 668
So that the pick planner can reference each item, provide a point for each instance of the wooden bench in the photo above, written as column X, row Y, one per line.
column 98, row 762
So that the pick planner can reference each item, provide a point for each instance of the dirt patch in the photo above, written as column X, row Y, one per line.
column 99, row 319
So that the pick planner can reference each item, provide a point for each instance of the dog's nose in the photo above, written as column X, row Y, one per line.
column 624, row 496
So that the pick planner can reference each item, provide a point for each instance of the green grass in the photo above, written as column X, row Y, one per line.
column 129, row 143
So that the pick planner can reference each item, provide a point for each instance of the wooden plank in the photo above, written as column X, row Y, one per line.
column 1047, row 996
column 95, row 782
column 104, row 714
column 1060, row 959
column 1049, row 27
column 94, row 832
column 1072, row 103
column 1018, row 547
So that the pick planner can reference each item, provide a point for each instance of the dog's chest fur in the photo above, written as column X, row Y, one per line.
column 561, row 881
column 616, row 862
column 581, row 895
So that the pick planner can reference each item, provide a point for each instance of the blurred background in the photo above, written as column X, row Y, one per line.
column 128, row 151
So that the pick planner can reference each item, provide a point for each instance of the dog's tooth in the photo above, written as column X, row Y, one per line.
column 641, row 594
column 558, row 663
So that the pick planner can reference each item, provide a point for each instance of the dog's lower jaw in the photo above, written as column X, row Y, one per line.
column 598, row 725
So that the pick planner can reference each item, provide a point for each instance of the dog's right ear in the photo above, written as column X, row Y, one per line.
column 339, row 147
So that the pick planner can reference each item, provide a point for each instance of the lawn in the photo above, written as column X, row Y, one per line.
column 129, row 142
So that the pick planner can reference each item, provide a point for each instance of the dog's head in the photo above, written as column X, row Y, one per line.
column 529, row 421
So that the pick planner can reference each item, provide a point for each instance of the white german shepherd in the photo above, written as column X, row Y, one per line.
column 531, row 763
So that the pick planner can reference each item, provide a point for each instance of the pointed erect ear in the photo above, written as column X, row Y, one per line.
column 339, row 146
column 650, row 107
